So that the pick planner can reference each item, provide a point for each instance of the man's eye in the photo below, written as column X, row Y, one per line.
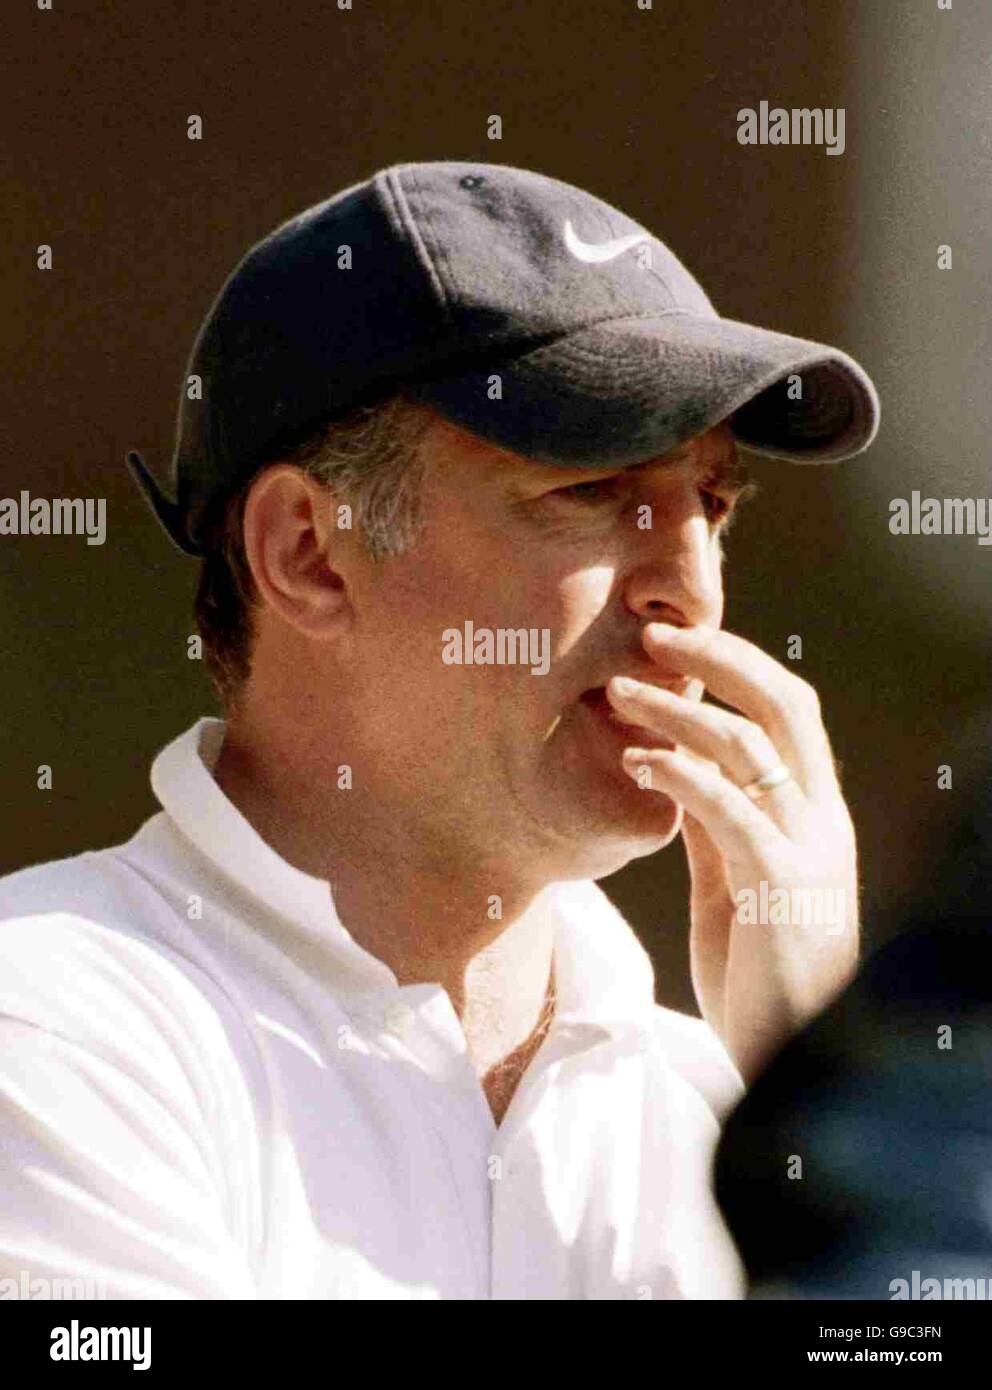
column 603, row 490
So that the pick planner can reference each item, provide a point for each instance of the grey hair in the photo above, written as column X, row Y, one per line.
column 371, row 461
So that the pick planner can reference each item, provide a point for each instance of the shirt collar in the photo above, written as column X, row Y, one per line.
column 603, row 975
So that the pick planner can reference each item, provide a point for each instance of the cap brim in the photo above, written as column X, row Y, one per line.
column 625, row 390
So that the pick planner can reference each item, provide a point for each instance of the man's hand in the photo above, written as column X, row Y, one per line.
column 774, row 882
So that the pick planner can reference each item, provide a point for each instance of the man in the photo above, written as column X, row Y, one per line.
column 350, row 1018
column 858, row 1165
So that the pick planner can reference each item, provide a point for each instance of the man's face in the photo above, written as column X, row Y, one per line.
column 493, row 755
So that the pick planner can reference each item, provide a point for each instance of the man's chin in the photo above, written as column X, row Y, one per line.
column 612, row 820
column 629, row 834
column 643, row 813
column 653, row 825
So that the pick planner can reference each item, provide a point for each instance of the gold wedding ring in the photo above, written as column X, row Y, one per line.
column 761, row 786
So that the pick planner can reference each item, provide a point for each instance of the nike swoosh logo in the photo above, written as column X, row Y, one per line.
column 595, row 253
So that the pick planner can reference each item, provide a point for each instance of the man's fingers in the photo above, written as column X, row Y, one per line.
column 742, row 675
column 735, row 823
column 738, row 745
column 707, row 865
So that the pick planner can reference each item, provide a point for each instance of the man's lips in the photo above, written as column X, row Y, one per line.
column 635, row 735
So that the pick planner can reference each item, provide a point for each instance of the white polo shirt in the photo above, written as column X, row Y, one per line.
column 208, row 1089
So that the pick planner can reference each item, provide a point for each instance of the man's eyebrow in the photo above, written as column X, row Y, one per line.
column 728, row 470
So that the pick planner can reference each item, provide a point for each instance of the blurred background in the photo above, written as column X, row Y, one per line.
column 638, row 106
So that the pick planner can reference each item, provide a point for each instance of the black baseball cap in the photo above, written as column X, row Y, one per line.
column 523, row 309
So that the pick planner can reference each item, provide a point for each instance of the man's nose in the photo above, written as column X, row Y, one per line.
column 677, row 574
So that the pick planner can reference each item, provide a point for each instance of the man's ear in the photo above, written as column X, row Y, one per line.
column 295, row 552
